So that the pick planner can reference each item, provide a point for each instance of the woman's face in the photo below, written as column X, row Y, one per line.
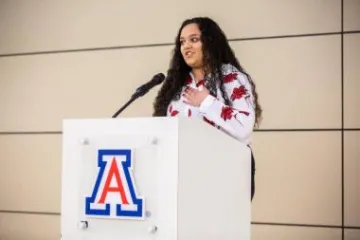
column 191, row 46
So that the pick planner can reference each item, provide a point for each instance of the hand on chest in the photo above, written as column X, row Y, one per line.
column 190, row 99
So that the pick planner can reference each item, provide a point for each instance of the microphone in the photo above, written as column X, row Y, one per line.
column 142, row 90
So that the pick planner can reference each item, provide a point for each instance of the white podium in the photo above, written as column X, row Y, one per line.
column 153, row 178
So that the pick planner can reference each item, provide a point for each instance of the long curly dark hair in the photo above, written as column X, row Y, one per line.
column 216, row 51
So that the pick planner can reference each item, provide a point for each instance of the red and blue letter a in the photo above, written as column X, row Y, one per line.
column 114, row 194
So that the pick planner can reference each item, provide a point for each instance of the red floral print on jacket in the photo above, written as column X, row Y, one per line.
column 245, row 113
column 238, row 93
column 172, row 112
column 200, row 83
column 230, row 77
column 188, row 80
column 226, row 113
column 208, row 121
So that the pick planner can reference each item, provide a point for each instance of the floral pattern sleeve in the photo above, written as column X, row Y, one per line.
column 237, row 119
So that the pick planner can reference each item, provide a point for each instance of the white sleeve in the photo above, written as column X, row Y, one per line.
column 238, row 120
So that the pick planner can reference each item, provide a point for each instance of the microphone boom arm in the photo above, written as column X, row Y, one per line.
column 141, row 91
column 133, row 98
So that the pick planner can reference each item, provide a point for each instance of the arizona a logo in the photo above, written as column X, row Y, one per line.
column 114, row 194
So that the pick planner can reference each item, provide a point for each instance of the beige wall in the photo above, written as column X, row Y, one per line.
column 65, row 59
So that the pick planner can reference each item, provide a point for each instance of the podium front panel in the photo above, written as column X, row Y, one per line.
column 119, row 180
column 118, row 187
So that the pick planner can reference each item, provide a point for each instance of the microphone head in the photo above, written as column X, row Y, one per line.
column 159, row 78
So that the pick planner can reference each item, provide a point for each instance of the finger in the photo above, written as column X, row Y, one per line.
column 188, row 95
column 185, row 100
column 190, row 90
column 187, row 92
column 188, row 99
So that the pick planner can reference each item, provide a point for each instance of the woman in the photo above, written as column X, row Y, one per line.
column 205, row 80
